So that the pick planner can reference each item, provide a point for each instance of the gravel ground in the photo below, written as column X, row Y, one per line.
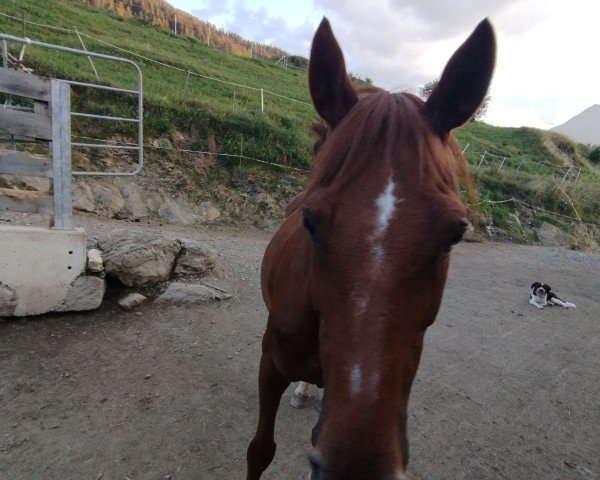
column 504, row 390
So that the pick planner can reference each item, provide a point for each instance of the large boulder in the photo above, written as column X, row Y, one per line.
column 137, row 258
column 552, row 236
column 196, row 258
column 85, row 293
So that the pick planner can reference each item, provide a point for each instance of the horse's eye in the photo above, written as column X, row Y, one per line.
column 456, row 233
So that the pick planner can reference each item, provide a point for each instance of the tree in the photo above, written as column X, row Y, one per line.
column 481, row 112
column 594, row 155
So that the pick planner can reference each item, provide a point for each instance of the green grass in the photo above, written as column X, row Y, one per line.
column 217, row 116
column 208, row 107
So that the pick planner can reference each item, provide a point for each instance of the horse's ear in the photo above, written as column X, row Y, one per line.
column 464, row 82
column 330, row 87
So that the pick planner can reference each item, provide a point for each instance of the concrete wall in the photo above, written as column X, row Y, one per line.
column 42, row 270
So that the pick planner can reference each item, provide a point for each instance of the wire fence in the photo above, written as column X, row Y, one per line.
column 484, row 160
column 240, row 156
column 490, row 162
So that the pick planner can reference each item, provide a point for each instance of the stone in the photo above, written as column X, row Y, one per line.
column 83, row 198
column 176, row 212
column 552, row 236
column 108, row 199
column 94, row 263
column 135, row 205
column 131, row 301
column 139, row 259
column 190, row 293
column 208, row 212
column 195, row 258
column 85, row 293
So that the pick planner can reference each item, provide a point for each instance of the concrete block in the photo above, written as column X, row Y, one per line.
column 39, row 269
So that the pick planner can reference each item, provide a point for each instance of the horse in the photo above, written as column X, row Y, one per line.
column 356, row 272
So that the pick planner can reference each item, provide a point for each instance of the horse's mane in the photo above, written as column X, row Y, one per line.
column 384, row 116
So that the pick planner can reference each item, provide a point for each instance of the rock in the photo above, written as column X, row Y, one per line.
column 131, row 301
column 134, row 201
column 94, row 263
column 8, row 301
column 39, row 184
column 83, row 198
column 85, row 293
column 195, row 258
column 551, row 236
column 108, row 199
column 139, row 259
column 176, row 211
column 208, row 212
column 189, row 293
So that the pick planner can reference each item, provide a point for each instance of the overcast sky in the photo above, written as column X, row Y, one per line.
column 547, row 69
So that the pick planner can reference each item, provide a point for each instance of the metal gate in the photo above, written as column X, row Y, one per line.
column 50, row 120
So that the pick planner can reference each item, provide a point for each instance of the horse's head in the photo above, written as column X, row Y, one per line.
column 382, row 211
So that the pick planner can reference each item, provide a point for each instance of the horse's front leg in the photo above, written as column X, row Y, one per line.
column 271, row 385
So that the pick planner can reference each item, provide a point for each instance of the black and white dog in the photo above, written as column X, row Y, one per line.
column 541, row 296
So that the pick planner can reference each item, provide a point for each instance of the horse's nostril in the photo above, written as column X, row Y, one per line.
column 316, row 470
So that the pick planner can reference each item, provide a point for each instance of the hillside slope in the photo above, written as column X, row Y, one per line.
column 216, row 108
column 583, row 127
column 161, row 14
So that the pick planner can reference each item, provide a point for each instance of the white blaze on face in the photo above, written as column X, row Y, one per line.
column 359, row 382
column 386, row 206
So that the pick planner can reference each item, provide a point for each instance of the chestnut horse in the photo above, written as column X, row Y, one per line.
column 355, row 274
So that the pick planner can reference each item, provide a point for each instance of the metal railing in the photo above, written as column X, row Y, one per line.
column 139, row 147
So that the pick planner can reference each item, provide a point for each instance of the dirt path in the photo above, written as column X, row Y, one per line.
column 503, row 391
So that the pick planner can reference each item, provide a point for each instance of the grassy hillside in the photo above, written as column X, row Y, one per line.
column 217, row 116
column 208, row 107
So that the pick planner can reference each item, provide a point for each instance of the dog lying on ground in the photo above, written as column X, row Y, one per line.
column 541, row 296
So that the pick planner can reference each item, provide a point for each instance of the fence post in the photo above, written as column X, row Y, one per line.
column 187, row 86
column 481, row 160
column 23, row 25
column 60, row 108
column 262, row 100
column 568, row 171
column 4, row 54
column 89, row 58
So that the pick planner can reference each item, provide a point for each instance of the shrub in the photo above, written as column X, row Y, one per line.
column 594, row 155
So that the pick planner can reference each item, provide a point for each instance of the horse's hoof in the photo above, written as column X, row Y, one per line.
column 300, row 401
column 319, row 405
